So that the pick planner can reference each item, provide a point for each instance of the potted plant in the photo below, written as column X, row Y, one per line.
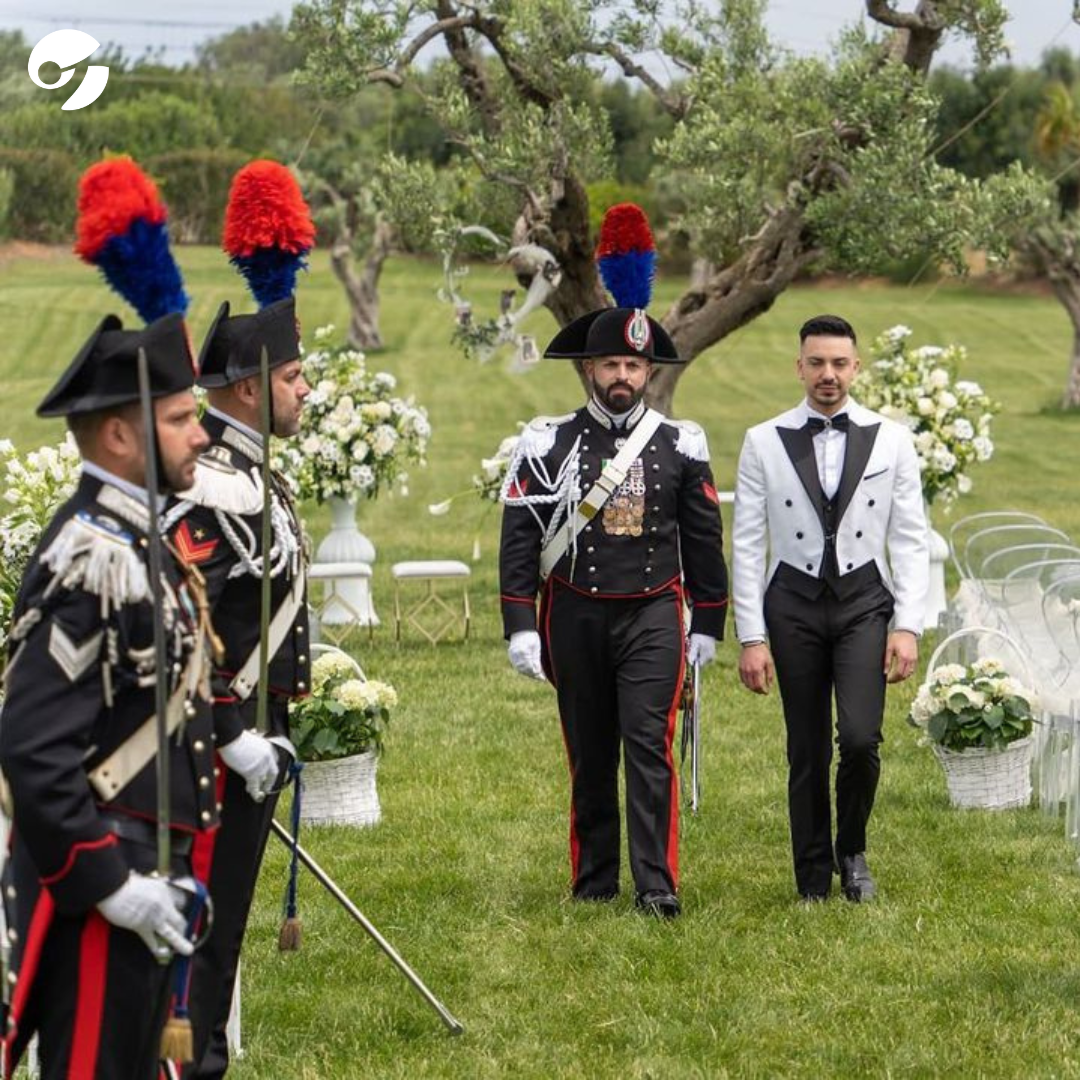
column 978, row 719
column 338, row 732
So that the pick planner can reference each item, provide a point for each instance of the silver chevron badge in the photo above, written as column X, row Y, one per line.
column 73, row 660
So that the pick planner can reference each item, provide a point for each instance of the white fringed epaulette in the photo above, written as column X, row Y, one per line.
column 98, row 556
column 691, row 442
column 220, row 486
column 538, row 436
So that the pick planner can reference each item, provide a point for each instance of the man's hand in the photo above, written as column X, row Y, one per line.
column 150, row 907
column 701, row 650
column 901, row 655
column 255, row 760
column 756, row 668
column 524, row 653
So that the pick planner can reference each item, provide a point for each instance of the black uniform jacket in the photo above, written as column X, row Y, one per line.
column 660, row 529
column 221, row 534
column 80, row 682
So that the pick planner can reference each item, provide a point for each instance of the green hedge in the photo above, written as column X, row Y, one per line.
column 195, row 186
column 42, row 204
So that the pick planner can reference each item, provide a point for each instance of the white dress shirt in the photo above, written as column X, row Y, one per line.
column 829, row 447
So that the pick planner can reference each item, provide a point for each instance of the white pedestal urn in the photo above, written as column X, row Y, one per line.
column 936, row 601
column 348, row 599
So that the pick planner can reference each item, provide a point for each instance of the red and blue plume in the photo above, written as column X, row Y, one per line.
column 626, row 255
column 268, row 230
column 121, row 229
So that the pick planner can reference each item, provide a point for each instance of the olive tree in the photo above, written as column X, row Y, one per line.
column 782, row 163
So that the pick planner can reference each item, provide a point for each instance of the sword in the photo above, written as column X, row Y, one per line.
column 328, row 883
column 266, row 415
column 161, row 694
column 691, row 737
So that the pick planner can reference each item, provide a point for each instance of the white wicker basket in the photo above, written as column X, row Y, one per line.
column 981, row 778
column 988, row 779
column 341, row 792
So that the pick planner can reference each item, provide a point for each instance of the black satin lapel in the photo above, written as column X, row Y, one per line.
column 860, row 442
column 799, row 444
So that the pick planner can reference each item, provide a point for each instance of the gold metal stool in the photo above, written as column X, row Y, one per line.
column 431, row 615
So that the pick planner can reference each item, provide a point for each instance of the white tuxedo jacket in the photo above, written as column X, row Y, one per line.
column 778, row 516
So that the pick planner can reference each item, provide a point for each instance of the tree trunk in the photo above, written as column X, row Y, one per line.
column 1054, row 252
column 362, row 289
column 720, row 300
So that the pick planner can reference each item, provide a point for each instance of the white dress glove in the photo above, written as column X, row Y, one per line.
column 150, row 907
column 524, row 653
column 702, row 649
column 255, row 760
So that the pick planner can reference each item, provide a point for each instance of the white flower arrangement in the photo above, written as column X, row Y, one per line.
column 949, row 418
column 344, row 715
column 34, row 486
column 976, row 705
column 356, row 435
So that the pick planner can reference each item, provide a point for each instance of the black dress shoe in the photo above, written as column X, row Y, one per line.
column 663, row 905
column 856, row 882
column 814, row 897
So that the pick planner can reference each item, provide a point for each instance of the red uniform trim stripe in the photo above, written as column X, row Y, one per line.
column 90, row 1008
column 659, row 590
column 40, row 921
column 76, row 850
column 517, row 599
column 202, row 849
column 673, row 712
column 709, row 603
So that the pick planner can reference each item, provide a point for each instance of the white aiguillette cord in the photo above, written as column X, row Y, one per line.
column 613, row 475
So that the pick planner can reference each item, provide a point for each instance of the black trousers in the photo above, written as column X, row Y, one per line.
column 822, row 647
column 617, row 666
column 92, row 992
column 229, row 866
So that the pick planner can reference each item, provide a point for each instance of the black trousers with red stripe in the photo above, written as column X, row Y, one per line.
column 617, row 665
column 228, row 863
column 92, row 992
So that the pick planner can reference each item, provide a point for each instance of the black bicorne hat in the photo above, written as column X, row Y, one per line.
column 626, row 259
column 234, row 345
column 106, row 374
column 614, row 332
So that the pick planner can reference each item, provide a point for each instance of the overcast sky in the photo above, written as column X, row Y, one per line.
column 803, row 25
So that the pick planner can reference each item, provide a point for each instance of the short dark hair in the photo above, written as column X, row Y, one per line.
column 827, row 326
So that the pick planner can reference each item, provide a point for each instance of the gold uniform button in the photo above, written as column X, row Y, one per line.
column 10, row 892
column 13, row 934
column 217, row 772
column 299, row 631
column 302, row 658
column 301, row 686
column 205, row 815
column 12, row 978
column 198, row 746
column 217, row 807
column 593, row 589
column 204, row 781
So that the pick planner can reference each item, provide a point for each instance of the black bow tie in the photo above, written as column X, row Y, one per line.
column 817, row 424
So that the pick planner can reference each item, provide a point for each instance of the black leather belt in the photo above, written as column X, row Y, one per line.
column 144, row 833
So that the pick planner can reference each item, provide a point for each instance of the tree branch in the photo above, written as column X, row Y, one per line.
column 675, row 104
column 925, row 18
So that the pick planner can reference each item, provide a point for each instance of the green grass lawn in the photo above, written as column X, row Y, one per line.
column 966, row 967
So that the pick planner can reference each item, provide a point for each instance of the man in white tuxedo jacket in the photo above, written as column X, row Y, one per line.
column 824, row 492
